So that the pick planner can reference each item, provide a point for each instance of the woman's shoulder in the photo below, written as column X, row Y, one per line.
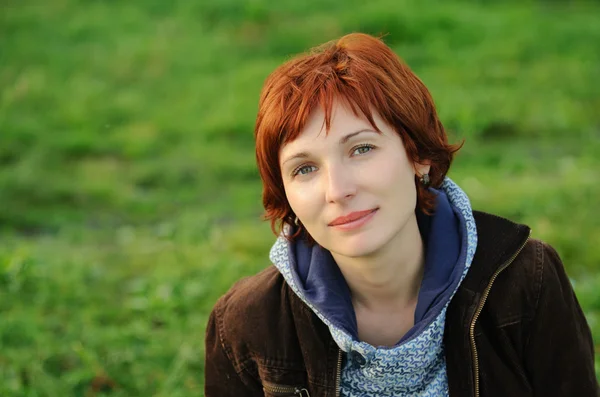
column 251, row 293
column 512, row 267
column 538, row 266
column 250, row 314
column 506, row 249
column 254, row 305
column 255, row 310
column 519, row 289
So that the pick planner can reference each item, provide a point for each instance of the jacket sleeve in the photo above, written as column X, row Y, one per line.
column 559, row 350
column 220, row 376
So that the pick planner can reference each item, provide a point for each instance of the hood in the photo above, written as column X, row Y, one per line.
column 450, row 241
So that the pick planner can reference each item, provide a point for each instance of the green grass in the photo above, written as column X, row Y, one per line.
column 129, row 195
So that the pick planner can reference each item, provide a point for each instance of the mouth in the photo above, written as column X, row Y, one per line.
column 353, row 219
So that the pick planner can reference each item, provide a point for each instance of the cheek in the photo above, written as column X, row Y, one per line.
column 302, row 200
column 398, row 175
column 397, row 185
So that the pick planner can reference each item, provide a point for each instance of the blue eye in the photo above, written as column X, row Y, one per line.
column 303, row 170
column 362, row 149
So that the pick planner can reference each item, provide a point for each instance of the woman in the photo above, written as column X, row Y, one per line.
column 385, row 282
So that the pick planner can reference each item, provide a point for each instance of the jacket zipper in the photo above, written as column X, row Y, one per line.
column 283, row 390
column 486, row 292
column 338, row 377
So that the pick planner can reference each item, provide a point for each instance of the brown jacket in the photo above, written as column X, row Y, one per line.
column 514, row 328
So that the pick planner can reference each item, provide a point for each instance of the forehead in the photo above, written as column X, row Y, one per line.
column 343, row 121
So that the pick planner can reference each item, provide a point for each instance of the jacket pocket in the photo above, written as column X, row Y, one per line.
column 278, row 390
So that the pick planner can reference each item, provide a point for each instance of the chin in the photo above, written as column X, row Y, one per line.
column 357, row 246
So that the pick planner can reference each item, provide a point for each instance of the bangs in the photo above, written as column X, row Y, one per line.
column 301, row 90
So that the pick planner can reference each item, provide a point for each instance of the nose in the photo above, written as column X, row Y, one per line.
column 340, row 184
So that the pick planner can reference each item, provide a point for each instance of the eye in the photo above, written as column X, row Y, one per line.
column 362, row 149
column 303, row 170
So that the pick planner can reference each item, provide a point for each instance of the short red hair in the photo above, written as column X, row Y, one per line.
column 366, row 73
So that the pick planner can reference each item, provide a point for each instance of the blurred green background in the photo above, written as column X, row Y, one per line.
column 129, row 195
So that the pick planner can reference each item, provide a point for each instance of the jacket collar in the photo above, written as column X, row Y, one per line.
column 498, row 241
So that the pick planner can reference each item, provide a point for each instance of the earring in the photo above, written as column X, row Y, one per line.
column 296, row 221
column 425, row 180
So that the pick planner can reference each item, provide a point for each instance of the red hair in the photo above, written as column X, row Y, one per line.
column 366, row 74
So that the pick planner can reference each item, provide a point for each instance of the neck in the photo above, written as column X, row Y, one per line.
column 389, row 278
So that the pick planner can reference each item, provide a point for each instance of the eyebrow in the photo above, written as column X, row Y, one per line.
column 347, row 137
column 344, row 139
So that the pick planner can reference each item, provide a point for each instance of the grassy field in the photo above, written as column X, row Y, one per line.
column 129, row 196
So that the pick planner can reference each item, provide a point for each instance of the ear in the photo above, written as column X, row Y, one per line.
column 422, row 168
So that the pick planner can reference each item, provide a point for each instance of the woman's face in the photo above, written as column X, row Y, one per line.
column 353, row 189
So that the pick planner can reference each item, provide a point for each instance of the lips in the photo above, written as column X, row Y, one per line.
column 351, row 217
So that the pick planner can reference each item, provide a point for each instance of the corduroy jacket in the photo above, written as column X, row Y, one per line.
column 513, row 328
